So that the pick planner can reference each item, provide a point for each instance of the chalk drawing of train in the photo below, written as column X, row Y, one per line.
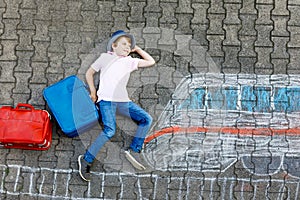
column 214, row 120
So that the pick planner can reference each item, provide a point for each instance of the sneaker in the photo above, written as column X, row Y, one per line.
column 134, row 159
column 84, row 169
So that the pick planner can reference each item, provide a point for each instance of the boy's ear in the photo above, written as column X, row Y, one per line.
column 114, row 45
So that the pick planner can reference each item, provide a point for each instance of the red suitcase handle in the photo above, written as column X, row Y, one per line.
column 24, row 106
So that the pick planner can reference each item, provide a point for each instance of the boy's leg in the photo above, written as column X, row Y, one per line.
column 108, row 113
column 143, row 120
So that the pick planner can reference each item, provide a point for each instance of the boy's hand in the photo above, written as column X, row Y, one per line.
column 93, row 97
column 146, row 60
column 90, row 80
column 136, row 48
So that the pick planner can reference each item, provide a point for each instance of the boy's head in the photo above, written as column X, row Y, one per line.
column 119, row 35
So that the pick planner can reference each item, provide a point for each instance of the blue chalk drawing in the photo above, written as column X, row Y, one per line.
column 281, row 100
column 253, row 99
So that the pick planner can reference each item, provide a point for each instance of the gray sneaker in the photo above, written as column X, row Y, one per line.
column 134, row 159
column 84, row 169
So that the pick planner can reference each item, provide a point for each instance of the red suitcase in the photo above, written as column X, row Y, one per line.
column 25, row 127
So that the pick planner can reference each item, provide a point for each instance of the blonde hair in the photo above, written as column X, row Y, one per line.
column 118, row 39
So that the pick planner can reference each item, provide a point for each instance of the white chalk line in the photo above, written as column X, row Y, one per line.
column 223, row 182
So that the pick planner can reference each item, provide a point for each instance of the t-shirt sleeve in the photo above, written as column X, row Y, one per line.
column 97, row 64
column 134, row 63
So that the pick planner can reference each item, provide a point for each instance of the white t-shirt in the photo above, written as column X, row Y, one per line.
column 114, row 75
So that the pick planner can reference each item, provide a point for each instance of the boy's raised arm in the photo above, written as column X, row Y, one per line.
column 89, row 75
column 146, row 60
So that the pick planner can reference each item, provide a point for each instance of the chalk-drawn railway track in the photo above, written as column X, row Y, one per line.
column 34, row 182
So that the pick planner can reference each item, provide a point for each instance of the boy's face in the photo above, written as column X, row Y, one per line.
column 122, row 46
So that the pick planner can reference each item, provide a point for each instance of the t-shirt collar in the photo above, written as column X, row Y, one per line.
column 113, row 53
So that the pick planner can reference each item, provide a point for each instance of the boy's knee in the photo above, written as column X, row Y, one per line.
column 109, row 132
column 147, row 120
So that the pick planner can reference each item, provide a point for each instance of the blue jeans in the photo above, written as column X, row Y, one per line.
column 108, row 111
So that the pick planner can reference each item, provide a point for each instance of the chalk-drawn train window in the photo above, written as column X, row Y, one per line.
column 212, row 121
column 253, row 99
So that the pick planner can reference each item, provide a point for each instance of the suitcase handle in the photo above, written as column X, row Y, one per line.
column 24, row 105
column 6, row 107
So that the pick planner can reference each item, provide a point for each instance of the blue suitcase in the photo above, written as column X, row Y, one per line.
column 71, row 105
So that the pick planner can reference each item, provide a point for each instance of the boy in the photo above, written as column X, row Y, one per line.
column 115, row 67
